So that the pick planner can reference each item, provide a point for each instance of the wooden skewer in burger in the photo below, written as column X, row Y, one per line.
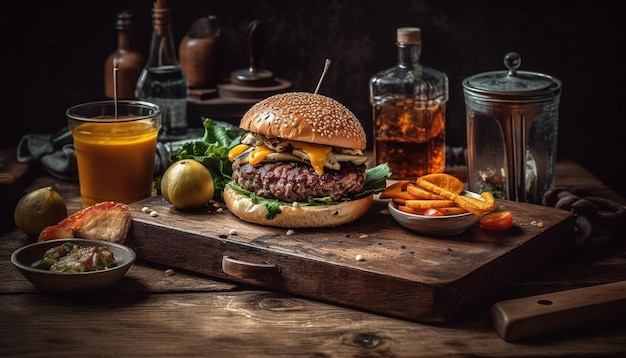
column 300, row 164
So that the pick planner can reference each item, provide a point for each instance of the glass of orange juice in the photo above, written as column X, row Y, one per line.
column 115, row 143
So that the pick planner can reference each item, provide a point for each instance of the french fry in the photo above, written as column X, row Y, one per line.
column 445, row 181
column 475, row 206
column 429, row 204
column 453, row 210
column 406, row 196
column 421, row 193
column 406, row 209
column 488, row 196
column 394, row 190
column 478, row 207
column 399, row 201
column 437, row 189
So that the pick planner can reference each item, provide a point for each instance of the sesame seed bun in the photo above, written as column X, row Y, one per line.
column 305, row 117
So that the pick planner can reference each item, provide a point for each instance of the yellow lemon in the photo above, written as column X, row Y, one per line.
column 187, row 184
column 39, row 209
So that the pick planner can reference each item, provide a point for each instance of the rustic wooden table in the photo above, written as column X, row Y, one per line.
column 152, row 314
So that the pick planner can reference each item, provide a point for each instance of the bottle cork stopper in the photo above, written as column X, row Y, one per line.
column 161, row 16
column 409, row 35
column 124, row 20
column 161, row 4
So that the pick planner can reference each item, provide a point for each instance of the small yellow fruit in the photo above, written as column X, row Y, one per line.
column 39, row 209
column 187, row 184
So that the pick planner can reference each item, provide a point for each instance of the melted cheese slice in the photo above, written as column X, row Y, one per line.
column 238, row 149
column 259, row 153
column 316, row 154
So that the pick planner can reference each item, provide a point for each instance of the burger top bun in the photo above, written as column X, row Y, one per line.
column 305, row 117
column 297, row 216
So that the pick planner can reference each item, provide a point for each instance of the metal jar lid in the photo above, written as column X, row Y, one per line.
column 512, row 85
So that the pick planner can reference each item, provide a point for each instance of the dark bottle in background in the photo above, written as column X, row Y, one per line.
column 409, row 112
column 199, row 53
column 163, row 80
column 129, row 61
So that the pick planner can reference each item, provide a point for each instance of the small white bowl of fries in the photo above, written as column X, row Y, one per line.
column 436, row 204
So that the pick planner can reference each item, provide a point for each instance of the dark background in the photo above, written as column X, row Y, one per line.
column 53, row 54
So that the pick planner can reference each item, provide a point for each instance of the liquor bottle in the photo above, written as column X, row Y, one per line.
column 163, row 80
column 127, row 61
column 409, row 112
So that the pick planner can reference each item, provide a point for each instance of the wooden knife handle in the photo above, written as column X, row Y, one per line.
column 527, row 317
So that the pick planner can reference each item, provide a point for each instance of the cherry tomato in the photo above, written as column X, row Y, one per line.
column 497, row 221
column 433, row 212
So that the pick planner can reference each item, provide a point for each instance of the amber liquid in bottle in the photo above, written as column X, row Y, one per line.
column 409, row 112
column 410, row 139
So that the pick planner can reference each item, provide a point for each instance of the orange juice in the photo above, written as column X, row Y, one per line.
column 115, row 160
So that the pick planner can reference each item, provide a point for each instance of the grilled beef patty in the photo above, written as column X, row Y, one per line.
column 292, row 181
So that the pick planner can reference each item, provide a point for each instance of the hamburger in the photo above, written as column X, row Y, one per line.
column 300, row 164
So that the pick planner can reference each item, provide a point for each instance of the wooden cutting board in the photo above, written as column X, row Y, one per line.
column 403, row 274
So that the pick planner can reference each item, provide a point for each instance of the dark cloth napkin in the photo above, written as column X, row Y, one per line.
column 56, row 154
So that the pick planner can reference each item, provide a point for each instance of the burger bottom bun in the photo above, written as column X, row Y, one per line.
column 297, row 216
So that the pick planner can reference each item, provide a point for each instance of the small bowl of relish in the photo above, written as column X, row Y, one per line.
column 69, row 265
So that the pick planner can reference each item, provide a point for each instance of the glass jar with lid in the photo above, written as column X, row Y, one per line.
column 512, row 126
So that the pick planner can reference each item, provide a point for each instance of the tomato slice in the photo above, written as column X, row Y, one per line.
column 497, row 221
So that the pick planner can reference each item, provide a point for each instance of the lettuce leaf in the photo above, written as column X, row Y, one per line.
column 375, row 182
column 212, row 151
